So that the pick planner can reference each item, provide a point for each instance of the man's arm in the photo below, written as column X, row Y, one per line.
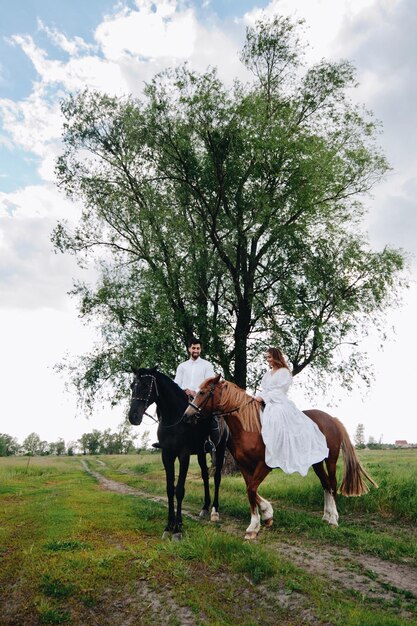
column 209, row 371
column 179, row 376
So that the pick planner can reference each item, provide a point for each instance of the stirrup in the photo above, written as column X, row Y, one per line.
column 209, row 446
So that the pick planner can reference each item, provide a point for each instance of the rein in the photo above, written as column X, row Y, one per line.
column 174, row 424
column 235, row 410
column 153, row 418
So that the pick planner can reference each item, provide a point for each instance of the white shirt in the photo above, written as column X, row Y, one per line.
column 191, row 374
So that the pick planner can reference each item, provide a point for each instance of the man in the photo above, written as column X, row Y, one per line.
column 191, row 373
column 189, row 376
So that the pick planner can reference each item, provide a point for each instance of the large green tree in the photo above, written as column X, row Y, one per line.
column 232, row 213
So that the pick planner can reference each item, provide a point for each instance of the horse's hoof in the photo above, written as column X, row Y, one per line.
column 214, row 517
column 251, row 535
column 176, row 536
column 269, row 522
column 333, row 522
column 203, row 513
column 166, row 535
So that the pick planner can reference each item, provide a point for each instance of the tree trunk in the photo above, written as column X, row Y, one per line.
column 230, row 467
column 241, row 340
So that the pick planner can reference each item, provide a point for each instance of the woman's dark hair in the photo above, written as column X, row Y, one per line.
column 278, row 358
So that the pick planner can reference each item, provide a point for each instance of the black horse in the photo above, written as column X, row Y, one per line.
column 177, row 439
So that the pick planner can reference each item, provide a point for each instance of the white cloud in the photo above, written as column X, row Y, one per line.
column 73, row 46
column 381, row 40
column 155, row 31
column 37, row 201
column 32, row 123
column 31, row 275
column 37, row 56
column 217, row 48
column 324, row 19
column 393, row 220
column 77, row 73
column 135, row 45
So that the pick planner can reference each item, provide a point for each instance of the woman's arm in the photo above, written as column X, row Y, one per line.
column 278, row 385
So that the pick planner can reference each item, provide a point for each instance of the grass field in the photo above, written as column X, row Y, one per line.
column 74, row 552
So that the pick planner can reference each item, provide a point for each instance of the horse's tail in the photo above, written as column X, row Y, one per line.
column 355, row 478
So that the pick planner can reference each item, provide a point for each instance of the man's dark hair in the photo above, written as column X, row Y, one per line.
column 194, row 340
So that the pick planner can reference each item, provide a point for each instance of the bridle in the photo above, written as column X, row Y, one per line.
column 146, row 400
column 205, row 401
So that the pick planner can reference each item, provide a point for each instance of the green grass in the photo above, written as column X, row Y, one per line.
column 380, row 522
column 71, row 552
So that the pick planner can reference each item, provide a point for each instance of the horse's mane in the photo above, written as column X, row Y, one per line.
column 249, row 409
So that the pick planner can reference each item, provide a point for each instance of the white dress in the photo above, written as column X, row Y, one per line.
column 292, row 440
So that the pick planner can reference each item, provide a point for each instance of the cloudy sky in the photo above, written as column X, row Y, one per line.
column 52, row 47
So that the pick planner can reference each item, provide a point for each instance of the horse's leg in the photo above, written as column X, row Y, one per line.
column 328, row 482
column 168, row 460
column 252, row 483
column 219, row 456
column 320, row 471
column 267, row 512
column 180, row 492
column 255, row 519
column 331, row 495
column 202, row 461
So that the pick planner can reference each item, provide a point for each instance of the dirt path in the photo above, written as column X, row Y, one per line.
column 113, row 485
column 365, row 574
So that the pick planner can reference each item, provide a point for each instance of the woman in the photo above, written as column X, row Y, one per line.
column 292, row 441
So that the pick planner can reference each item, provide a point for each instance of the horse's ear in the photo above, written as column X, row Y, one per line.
column 154, row 368
column 134, row 370
column 217, row 378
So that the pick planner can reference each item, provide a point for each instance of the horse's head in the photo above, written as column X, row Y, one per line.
column 206, row 400
column 144, row 393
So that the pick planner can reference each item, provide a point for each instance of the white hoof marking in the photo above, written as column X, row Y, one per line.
column 330, row 513
column 251, row 536
column 214, row 517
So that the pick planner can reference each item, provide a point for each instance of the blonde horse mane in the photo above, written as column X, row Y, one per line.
column 247, row 409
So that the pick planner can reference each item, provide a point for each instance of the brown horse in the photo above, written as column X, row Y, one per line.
column 242, row 414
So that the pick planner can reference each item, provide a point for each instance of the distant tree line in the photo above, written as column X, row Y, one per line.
column 122, row 441
column 372, row 444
